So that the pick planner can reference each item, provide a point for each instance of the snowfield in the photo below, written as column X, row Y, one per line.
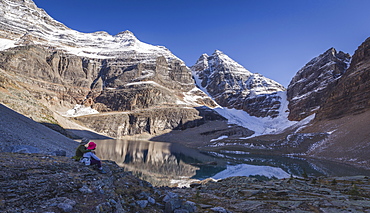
column 247, row 170
column 260, row 126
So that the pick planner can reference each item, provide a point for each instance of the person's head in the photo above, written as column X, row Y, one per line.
column 92, row 145
column 84, row 141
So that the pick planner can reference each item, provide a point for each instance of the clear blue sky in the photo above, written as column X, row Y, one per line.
column 272, row 37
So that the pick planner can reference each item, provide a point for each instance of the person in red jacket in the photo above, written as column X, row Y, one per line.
column 89, row 158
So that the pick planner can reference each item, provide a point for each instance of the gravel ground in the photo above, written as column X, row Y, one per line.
column 21, row 134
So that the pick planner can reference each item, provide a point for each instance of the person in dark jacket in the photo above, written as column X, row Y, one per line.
column 81, row 149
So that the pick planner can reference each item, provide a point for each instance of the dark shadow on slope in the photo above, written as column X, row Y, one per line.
column 206, row 113
column 57, row 128
column 75, row 133
column 79, row 134
column 199, row 132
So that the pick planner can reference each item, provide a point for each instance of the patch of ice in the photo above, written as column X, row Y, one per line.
column 234, row 152
column 259, row 125
column 247, row 170
column 80, row 110
column 6, row 44
column 219, row 138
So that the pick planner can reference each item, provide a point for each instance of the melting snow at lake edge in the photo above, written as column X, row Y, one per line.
column 247, row 170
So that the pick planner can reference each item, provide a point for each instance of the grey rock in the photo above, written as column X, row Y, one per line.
column 151, row 200
column 172, row 204
column 190, row 206
column 85, row 190
column 63, row 203
column 170, row 196
column 60, row 153
column 249, row 193
column 219, row 210
column 65, row 207
column 180, row 211
column 142, row 203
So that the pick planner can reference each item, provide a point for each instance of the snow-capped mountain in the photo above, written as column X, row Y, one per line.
column 65, row 67
column 118, row 61
column 233, row 86
column 312, row 84
column 22, row 22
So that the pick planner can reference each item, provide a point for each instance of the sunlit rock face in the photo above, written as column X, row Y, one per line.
column 63, row 67
column 233, row 86
column 311, row 86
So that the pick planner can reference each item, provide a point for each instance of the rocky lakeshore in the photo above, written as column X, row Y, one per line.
column 44, row 183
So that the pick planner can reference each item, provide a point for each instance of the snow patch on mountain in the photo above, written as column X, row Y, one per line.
column 6, row 44
column 260, row 125
column 79, row 110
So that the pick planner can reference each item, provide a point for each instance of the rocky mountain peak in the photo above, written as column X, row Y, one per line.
column 201, row 64
column 125, row 33
column 223, row 63
column 126, row 38
column 218, row 52
column 310, row 86
column 230, row 84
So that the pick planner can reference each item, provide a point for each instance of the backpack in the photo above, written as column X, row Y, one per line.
column 86, row 161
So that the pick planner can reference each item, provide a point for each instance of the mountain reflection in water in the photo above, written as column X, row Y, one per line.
column 162, row 164
column 170, row 164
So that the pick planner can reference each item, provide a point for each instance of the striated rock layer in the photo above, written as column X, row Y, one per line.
column 62, row 67
column 352, row 93
column 153, row 121
column 312, row 84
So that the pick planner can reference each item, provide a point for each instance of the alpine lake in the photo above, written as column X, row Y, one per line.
column 171, row 164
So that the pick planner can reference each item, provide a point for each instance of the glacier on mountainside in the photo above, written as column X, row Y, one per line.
column 220, row 76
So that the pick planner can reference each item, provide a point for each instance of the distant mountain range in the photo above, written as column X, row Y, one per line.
column 57, row 76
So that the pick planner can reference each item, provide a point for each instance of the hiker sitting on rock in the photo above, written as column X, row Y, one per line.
column 81, row 149
column 89, row 158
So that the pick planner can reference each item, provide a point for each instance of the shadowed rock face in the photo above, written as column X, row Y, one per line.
column 312, row 84
column 351, row 95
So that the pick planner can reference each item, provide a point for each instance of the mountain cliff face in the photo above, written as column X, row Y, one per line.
column 336, row 88
column 233, row 86
column 310, row 87
column 107, row 73
column 352, row 93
